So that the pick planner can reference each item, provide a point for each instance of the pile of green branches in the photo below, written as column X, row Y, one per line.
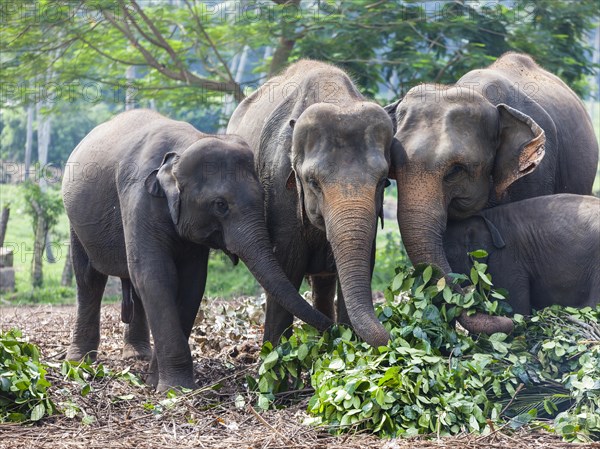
column 434, row 379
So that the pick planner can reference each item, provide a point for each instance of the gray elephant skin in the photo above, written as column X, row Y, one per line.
column 459, row 149
column 322, row 155
column 147, row 197
column 543, row 250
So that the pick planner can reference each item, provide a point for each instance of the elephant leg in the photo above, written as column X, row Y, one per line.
column 292, row 256
column 90, row 287
column 192, row 283
column 323, row 293
column 136, row 333
column 278, row 321
column 191, row 275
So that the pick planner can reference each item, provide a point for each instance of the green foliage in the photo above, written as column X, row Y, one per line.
column 225, row 280
column 26, row 393
column 47, row 203
column 75, row 56
column 47, row 294
column 85, row 375
column 23, row 384
column 390, row 253
column 432, row 378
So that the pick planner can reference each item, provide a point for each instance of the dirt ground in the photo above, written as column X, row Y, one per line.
column 221, row 414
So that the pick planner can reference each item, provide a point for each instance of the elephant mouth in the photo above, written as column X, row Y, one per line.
column 462, row 207
column 233, row 257
column 215, row 240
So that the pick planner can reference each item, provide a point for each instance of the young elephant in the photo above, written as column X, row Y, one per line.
column 543, row 250
column 147, row 197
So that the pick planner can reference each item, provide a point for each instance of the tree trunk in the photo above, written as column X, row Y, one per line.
column 4, row 223
column 28, row 140
column 67, row 274
column 238, row 66
column 48, row 248
column 286, row 42
column 44, row 128
column 38, row 247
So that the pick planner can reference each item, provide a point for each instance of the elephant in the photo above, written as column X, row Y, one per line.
column 505, row 133
column 147, row 197
column 137, row 334
column 543, row 250
column 322, row 155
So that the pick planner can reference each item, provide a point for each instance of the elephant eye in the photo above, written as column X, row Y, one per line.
column 455, row 172
column 314, row 184
column 221, row 206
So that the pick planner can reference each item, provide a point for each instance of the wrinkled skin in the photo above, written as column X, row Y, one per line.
column 543, row 250
column 147, row 197
column 322, row 155
column 505, row 133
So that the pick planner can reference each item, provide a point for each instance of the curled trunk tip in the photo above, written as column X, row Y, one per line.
column 480, row 323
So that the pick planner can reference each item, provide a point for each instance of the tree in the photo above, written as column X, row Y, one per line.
column 44, row 208
column 182, row 52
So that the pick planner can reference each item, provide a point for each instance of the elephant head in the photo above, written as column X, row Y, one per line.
column 452, row 153
column 215, row 199
column 340, row 162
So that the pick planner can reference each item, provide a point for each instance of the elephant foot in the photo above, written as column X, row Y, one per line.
column 136, row 351
column 77, row 353
column 172, row 382
column 176, row 385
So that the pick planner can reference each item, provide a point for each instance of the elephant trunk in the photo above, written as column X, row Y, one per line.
column 351, row 225
column 422, row 229
column 250, row 241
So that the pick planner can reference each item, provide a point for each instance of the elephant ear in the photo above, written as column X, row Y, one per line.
column 391, row 111
column 520, row 150
column 479, row 230
column 161, row 182
column 497, row 238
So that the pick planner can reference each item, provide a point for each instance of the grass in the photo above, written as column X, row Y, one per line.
column 19, row 237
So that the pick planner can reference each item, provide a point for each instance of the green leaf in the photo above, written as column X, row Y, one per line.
column 478, row 254
column 397, row 281
column 441, row 284
column 38, row 412
column 474, row 276
column 337, row 364
column 302, row 351
column 427, row 274
column 240, row 402
column 87, row 420
column 271, row 359
column 86, row 390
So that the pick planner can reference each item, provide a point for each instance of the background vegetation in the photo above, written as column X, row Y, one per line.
column 70, row 65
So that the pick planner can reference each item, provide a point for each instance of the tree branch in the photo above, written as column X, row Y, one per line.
column 151, row 60
column 286, row 43
column 209, row 40
column 160, row 42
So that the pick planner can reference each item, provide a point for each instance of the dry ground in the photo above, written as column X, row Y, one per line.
column 225, row 350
